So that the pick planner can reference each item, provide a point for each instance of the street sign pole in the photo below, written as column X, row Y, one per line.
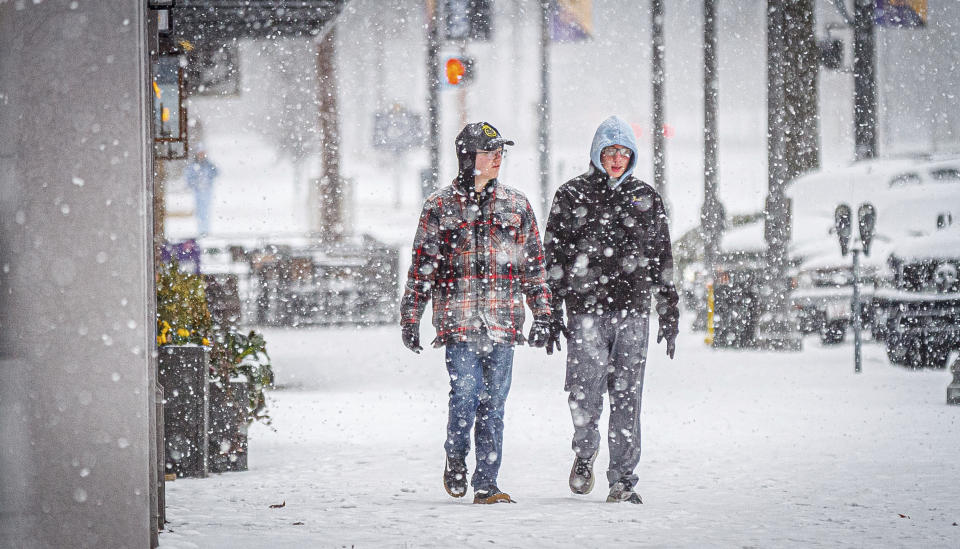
column 855, row 306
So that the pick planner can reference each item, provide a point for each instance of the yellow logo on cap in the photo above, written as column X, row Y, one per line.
column 489, row 131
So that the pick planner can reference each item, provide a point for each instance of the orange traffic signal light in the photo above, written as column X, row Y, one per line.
column 459, row 70
column 456, row 70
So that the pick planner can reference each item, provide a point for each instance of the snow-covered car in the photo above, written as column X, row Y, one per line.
column 921, row 311
column 823, row 293
column 737, row 279
column 908, row 194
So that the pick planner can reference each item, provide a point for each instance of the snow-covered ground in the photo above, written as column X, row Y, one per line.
column 741, row 448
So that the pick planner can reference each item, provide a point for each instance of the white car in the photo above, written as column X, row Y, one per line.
column 909, row 195
column 921, row 309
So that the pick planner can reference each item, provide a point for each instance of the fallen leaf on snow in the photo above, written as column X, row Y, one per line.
column 279, row 505
column 903, row 516
column 298, row 523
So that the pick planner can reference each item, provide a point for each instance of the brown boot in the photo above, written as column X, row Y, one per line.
column 491, row 495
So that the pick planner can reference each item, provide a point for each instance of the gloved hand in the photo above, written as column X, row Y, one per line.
column 411, row 337
column 669, row 327
column 556, row 328
column 539, row 333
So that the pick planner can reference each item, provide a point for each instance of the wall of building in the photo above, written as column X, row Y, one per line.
column 75, row 275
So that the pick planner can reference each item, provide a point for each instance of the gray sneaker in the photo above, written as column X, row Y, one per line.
column 623, row 491
column 581, row 474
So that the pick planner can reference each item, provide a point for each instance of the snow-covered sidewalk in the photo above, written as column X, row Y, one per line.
column 740, row 449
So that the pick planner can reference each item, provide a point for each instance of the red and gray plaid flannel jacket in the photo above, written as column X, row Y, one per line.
column 476, row 261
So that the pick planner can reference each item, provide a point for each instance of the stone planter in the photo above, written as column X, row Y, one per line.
column 228, row 427
column 184, row 375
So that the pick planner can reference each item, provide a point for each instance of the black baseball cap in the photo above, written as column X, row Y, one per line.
column 480, row 136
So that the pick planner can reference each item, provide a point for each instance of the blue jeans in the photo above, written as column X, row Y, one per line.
column 202, row 199
column 479, row 382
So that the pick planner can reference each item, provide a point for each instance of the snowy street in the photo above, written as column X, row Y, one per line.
column 740, row 449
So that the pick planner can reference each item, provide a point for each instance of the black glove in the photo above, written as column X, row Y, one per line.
column 539, row 333
column 556, row 328
column 411, row 337
column 669, row 326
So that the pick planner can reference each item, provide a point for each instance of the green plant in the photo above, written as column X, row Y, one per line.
column 182, row 314
column 236, row 355
column 183, row 318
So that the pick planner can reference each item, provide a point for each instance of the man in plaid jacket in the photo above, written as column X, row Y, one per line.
column 477, row 254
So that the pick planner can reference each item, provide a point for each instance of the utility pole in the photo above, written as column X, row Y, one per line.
column 434, row 19
column 864, row 80
column 712, row 214
column 330, row 186
column 658, row 77
column 544, row 107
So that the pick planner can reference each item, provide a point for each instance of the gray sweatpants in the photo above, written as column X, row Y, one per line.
column 607, row 353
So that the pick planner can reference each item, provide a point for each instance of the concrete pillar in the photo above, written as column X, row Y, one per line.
column 76, row 275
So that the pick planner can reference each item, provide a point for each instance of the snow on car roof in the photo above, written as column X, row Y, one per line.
column 938, row 244
column 908, row 194
column 747, row 238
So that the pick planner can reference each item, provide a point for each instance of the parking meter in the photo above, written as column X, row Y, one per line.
column 867, row 218
column 842, row 222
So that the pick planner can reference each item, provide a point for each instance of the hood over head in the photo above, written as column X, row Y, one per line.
column 614, row 131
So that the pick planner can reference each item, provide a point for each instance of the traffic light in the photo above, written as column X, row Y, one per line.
column 459, row 70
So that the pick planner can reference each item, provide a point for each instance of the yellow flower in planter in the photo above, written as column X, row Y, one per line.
column 205, row 341
column 182, row 332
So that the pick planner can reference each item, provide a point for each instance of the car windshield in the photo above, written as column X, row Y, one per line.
column 908, row 178
column 946, row 175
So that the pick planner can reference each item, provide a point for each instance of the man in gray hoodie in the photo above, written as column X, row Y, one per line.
column 608, row 251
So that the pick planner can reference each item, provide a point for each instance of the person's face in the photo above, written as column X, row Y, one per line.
column 488, row 163
column 615, row 159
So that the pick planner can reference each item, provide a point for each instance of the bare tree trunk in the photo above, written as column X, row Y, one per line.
column 864, row 81
column 801, row 64
column 330, row 190
column 543, row 108
column 712, row 213
column 433, row 92
column 659, row 81
column 792, row 148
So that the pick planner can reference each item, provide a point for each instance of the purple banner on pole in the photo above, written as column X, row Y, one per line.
column 571, row 20
column 900, row 13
